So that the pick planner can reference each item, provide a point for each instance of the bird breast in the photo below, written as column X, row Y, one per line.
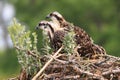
column 58, row 39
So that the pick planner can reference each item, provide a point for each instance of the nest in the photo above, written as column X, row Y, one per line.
column 74, row 67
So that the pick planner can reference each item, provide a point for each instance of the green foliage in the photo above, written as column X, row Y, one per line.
column 26, row 48
column 69, row 42
column 46, row 44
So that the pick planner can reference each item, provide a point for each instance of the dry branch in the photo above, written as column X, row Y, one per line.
column 40, row 72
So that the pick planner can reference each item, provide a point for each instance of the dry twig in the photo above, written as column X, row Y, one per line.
column 44, row 67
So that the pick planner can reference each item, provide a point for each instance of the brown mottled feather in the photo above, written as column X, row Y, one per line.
column 81, row 35
column 91, row 50
column 58, row 39
column 86, row 46
column 82, row 38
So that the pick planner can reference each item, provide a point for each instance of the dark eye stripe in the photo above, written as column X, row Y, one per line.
column 45, row 26
column 41, row 24
column 51, row 14
column 51, row 28
column 58, row 18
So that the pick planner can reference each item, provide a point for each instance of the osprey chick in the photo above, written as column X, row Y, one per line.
column 56, row 36
column 47, row 27
column 81, row 37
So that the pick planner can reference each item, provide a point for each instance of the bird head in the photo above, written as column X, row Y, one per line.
column 46, row 26
column 56, row 17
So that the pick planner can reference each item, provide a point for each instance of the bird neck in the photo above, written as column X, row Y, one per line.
column 50, row 36
column 58, row 20
column 50, row 32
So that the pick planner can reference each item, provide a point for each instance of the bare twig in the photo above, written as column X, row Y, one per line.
column 44, row 67
column 71, row 77
column 111, row 77
column 18, row 48
column 111, row 72
column 32, row 54
column 61, row 61
column 28, row 52
column 16, row 78
column 103, row 61
column 88, row 73
column 53, row 74
column 55, row 66
column 110, row 56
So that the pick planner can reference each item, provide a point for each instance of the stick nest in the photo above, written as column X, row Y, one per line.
column 74, row 67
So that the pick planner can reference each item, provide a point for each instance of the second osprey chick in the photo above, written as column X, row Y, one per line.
column 56, row 36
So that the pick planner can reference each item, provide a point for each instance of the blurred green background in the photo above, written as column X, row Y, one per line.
column 101, row 19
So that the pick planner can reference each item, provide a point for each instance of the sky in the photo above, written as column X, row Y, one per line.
column 7, row 13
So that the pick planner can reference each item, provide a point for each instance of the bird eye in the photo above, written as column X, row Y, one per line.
column 50, row 14
column 45, row 26
column 39, row 24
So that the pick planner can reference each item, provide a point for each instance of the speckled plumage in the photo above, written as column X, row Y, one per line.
column 55, row 35
column 86, row 46
column 58, row 39
column 91, row 51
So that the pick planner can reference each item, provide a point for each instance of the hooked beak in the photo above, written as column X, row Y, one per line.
column 36, row 27
column 48, row 16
